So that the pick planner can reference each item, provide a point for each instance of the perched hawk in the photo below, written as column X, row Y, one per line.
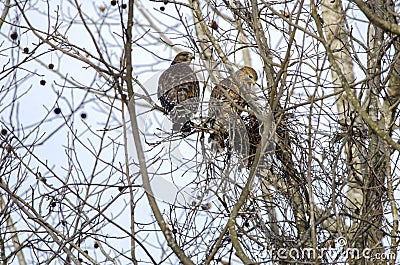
column 226, row 110
column 178, row 92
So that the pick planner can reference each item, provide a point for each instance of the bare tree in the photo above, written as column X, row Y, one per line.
column 91, row 172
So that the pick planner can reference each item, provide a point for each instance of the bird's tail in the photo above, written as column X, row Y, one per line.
column 181, row 119
column 217, row 142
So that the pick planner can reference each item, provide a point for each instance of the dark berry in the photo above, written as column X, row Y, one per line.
column 123, row 6
column 14, row 35
column 124, row 96
column 214, row 25
column 121, row 188
column 113, row 2
column 162, row 8
column 3, row 131
column 9, row 148
column 42, row 82
column 53, row 204
column 57, row 110
column 51, row 66
column 83, row 115
column 96, row 245
column 26, row 50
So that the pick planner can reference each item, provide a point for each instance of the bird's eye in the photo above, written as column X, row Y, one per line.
column 250, row 76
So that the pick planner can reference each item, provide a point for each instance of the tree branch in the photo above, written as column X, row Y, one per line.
column 375, row 19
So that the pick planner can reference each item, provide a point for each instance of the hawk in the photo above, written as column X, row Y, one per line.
column 178, row 92
column 226, row 109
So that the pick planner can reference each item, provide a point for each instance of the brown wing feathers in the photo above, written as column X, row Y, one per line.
column 178, row 90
